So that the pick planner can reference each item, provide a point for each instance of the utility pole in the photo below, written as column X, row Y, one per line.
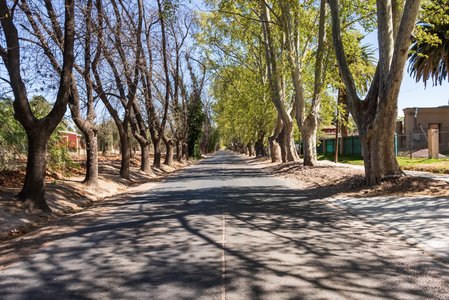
column 336, row 137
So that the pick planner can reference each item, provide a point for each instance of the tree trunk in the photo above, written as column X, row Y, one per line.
column 344, row 117
column 250, row 149
column 184, row 151
column 275, row 150
column 259, row 149
column 287, row 146
column 178, row 151
column 378, row 153
column 38, row 130
column 282, row 145
column 292, row 154
column 33, row 190
column 169, row 153
column 126, row 155
column 145, row 165
column 308, row 132
column 157, row 153
column 91, row 178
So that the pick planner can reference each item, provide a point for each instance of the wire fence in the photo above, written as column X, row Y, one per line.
column 416, row 145
column 413, row 145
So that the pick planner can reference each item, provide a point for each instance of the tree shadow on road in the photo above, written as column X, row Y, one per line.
column 279, row 243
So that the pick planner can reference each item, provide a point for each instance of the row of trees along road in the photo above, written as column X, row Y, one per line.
column 275, row 65
column 296, row 54
column 136, row 58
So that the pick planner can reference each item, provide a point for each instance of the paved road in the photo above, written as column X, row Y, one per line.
column 420, row 220
column 222, row 230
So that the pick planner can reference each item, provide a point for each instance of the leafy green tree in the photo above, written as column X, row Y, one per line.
column 195, row 122
column 375, row 114
column 429, row 54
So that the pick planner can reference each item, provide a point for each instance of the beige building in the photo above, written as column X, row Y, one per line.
column 417, row 121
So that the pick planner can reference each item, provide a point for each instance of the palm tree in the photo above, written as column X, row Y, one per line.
column 429, row 54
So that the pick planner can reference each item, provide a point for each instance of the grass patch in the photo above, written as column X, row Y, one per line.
column 345, row 159
column 434, row 165
column 406, row 161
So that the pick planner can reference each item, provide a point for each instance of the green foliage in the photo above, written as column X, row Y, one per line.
column 243, row 109
column 40, row 106
column 356, row 14
column 169, row 8
column 195, row 122
column 213, row 142
column 13, row 139
column 345, row 159
column 196, row 154
column 59, row 159
column 12, row 136
column 429, row 55
column 108, row 136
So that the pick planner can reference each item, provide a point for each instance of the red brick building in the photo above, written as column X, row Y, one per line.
column 71, row 139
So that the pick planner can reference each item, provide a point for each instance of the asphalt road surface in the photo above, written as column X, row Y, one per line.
column 222, row 229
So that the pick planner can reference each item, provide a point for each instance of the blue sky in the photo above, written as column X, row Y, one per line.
column 414, row 94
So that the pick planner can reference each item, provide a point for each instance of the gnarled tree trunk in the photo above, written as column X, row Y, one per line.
column 169, row 151
column 275, row 149
column 125, row 153
column 286, row 143
column 378, row 154
column 178, row 151
column 145, row 165
column 184, row 151
column 33, row 190
column 91, row 177
column 250, row 149
column 157, row 153
column 308, row 132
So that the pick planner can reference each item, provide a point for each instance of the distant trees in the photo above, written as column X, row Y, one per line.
column 286, row 44
column 244, row 112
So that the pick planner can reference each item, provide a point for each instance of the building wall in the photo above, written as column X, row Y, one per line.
column 71, row 139
column 419, row 125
